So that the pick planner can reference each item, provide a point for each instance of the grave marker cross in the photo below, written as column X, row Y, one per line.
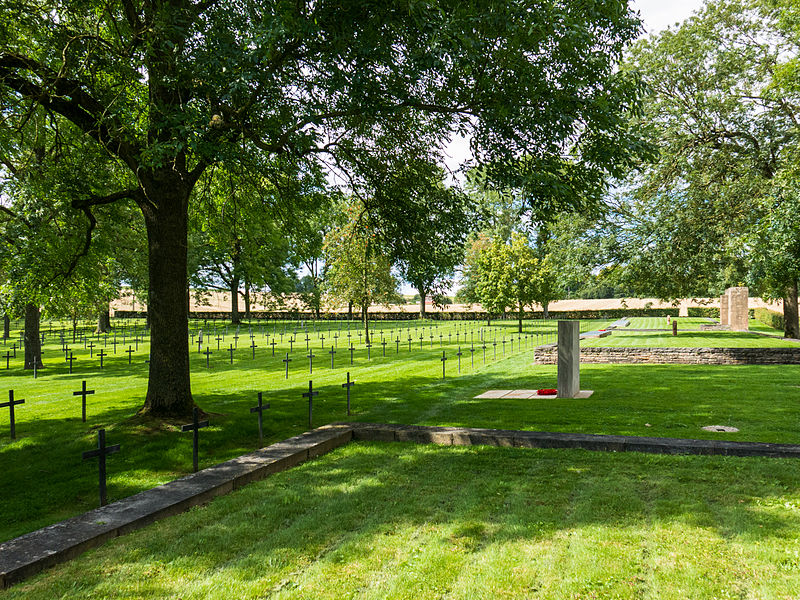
column 231, row 350
column 71, row 359
column 287, row 360
column 83, row 393
column 208, row 354
column 11, row 404
column 444, row 360
column 253, row 346
column 195, row 426
column 101, row 355
column 458, row 354
column 260, row 410
column 8, row 358
column 310, row 395
column 347, row 386
column 311, row 356
column 332, row 351
column 101, row 452
column 272, row 343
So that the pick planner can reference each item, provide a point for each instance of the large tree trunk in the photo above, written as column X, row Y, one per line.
column 365, row 321
column 6, row 327
column 519, row 317
column 422, row 297
column 235, row 301
column 103, row 321
column 246, row 300
column 169, row 390
column 791, row 326
column 350, row 310
column 33, row 343
column 546, row 310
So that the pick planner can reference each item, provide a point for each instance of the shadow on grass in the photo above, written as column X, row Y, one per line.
column 371, row 508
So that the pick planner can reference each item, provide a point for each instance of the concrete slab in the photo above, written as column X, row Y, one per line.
column 522, row 394
column 494, row 394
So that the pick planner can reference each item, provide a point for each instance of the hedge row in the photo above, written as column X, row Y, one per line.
column 770, row 318
column 703, row 311
column 616, row 313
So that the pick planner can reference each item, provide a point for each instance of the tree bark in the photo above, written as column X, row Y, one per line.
column 791, row 325
column 546, row 310
column 422, row 296
column 246, row 300
column 519, row 317
column 33, row 343
column 103, row 321
column 365, row 321
column 169, row 392
column 6, row 327
column 350, row 310
column 235, row 319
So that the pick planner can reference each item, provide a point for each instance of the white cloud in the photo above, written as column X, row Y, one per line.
column 660, row 14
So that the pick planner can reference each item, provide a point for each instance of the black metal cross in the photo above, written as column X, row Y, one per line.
column 472, row 355
column 332, row 351
column 101, row 355
column 195, row 426
column 322, row 338
column 504, row 346
column 272, row 343
column 409, row 343
column 368, row 354
column 14, row 348
column 11, row 404
column 219, row 339
column 287, row 360
column 260, row 410
column 307, row 340
column 208, row 354
column 347, row 386
column 443, row 359
column 130, row 352
column 91, row 348
column 458, row 354
column 236, row 338
column 484, row 353
column 8, row 358
column 253, row 347
column 311, row 356
column 71, row 359
column 383, row 343
column 397, row 346
column 310, row 395
column 351, row 354
column 101, row 452
column 291, row 344
column 83, row 393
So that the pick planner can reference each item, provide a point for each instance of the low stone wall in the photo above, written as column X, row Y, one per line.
column 548, row 355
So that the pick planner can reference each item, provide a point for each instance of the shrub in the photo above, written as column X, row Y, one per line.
column 769, row 317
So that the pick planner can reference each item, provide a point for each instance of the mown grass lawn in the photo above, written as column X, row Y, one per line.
column 402, row 521
column 689, row 336
column 44, row 479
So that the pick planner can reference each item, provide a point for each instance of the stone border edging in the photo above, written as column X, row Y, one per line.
column 470, row 436
column 547, row 355
column 28, row 554
column 33, row 552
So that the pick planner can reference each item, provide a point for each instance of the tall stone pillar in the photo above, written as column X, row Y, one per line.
column 723, row 309
column 738, row 311
column 569, row 359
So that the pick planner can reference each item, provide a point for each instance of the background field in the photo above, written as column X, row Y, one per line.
column 44, row 479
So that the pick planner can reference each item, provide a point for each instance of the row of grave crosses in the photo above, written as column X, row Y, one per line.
column 103, row 450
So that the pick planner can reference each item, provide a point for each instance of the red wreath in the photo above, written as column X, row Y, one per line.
column 547, row 392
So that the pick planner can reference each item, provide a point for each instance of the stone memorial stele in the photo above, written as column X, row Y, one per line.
column 738, row 309
column 569, row 378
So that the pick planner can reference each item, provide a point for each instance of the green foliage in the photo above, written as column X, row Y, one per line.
column 359, row 271
column 769, row 317
column 703, row 311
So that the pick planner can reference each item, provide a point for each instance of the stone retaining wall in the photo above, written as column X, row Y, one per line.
column 547, row 355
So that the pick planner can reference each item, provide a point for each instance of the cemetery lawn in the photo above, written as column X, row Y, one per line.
column 44, row 479
column 690, row 336
column 405, row 521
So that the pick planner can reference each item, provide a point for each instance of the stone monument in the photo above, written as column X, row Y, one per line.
column 738, row 309
column 569, row 358
column 723, row 309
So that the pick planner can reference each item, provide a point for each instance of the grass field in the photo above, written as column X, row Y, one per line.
column 689, row 336
column 44, row 479
column 401, row 521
